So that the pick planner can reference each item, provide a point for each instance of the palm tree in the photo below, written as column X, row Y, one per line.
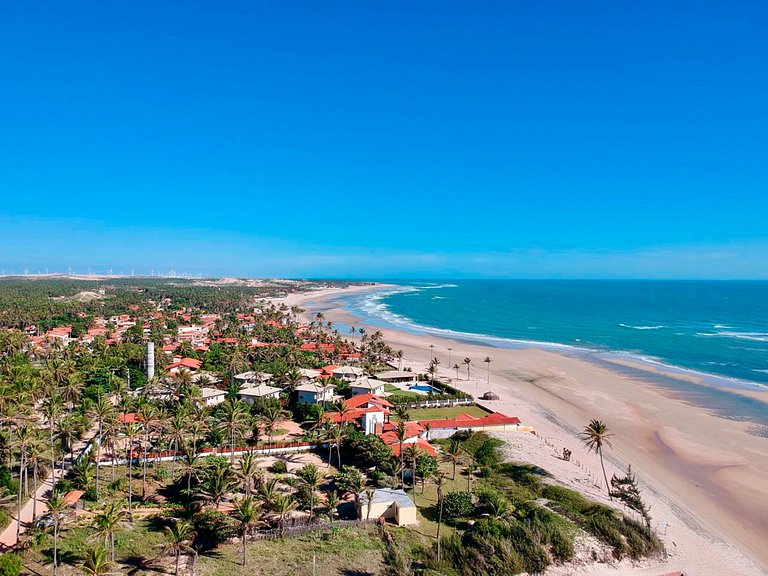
column 456, row 367
column 432, row 370
column 52, row 409
column 96, row 563
column 488, row 363
column 402, row 413
column 234, row 419
column 467, row 362
column 23, row 436
column 313, row 479
column 146, row 415
column 336, row 435
column 101, row 410
column 283, row 505
column 594, row 436
column 401, row 433
column 399, row 355
column 452, row 454
column 179, row 536
column 332, row 501
column 57, row 507
column 439, row 479
column 270, row 417
column 191, row 466
column 246, row 514
column 131, row 432
column 369, row 492
column 248, row 469
column 107, row 523
column 220, row 481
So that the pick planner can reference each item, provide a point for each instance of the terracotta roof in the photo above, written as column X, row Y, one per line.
column 72, row 497
column 128, row 418
column 362, row 399
column 467, row 421
column 421, row 443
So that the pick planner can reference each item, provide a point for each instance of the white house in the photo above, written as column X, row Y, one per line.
column 348, row 373
column 396, row 376
column 387, row 503
column 250, row 378
column 314, row 393
column 367, row 386
column 250, row 395
column 212, row 396
column 309, row 374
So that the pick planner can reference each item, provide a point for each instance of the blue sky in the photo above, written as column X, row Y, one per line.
column 386, row 139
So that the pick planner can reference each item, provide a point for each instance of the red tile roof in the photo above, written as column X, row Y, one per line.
column 467, row 421
column 421, row 443
column 364, row 399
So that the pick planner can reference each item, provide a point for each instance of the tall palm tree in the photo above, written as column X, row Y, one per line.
column 246, row 514
column 439, row 478
column 107, row 523
column 96, row 563
column 101, row 410
column 452, row 453
column 402, row 413
column 23, row 436
column 456, row 367
column 595, row 435
column 234, row 420
column 131, row 432
column 313, row 479
column 467, row 362
column 191, row 467
column 488, row 364
column 270, row 417
column 399, row 355
column 401, row 433
column 248, row 469
column 220, row 481
column 147, row 414
column 57, row 508
column 178, row 538
column 53, row 406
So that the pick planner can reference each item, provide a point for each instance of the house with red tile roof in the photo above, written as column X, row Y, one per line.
column 179, row 364
column 445, row 427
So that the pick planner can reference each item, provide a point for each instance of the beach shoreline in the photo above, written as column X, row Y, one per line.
column 703, row 475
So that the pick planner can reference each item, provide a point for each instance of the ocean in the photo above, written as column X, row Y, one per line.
column 718, row 330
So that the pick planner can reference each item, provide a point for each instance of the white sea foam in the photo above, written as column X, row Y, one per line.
column 754, row 336
column 641, row 327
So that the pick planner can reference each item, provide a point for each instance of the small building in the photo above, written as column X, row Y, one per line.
column 309, row 374
column 348, row 373
column 212, row 396
column 446, row 427
column 367, row 386
column 387, row 503
column 252, row 394
column 489, row 396
column 192, row 365
column 314, row 393
column 250, row 378
column 397, row 376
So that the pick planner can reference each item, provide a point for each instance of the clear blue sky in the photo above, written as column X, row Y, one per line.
column 386, row 139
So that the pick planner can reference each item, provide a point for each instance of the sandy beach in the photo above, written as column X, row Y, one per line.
column 705, row 477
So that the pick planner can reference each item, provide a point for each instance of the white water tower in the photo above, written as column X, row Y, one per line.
column 150, row 360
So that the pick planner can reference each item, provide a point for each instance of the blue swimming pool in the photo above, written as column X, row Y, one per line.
column 425, row 388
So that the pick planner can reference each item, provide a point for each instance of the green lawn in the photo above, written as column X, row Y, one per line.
column 435, row 413
column 346, row 551
column 392, row 389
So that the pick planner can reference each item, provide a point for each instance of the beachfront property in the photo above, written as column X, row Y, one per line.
column 397, row 376
column 369, row 412
column 367, row 386
column 389, row 504
column 315, row 393
column 446, row 427
column 251, row 394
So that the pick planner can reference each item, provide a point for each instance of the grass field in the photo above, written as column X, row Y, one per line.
column 390, row 388
column 354, row 551
column 435, row 413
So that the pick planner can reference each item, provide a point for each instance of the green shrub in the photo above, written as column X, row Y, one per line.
column 278, row 467
column 5, row 518
column 457, row 505
column 10, row 565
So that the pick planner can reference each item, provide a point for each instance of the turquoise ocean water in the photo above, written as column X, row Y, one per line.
column 716, row 329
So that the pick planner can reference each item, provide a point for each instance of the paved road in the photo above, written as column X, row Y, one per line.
column 8, row 536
